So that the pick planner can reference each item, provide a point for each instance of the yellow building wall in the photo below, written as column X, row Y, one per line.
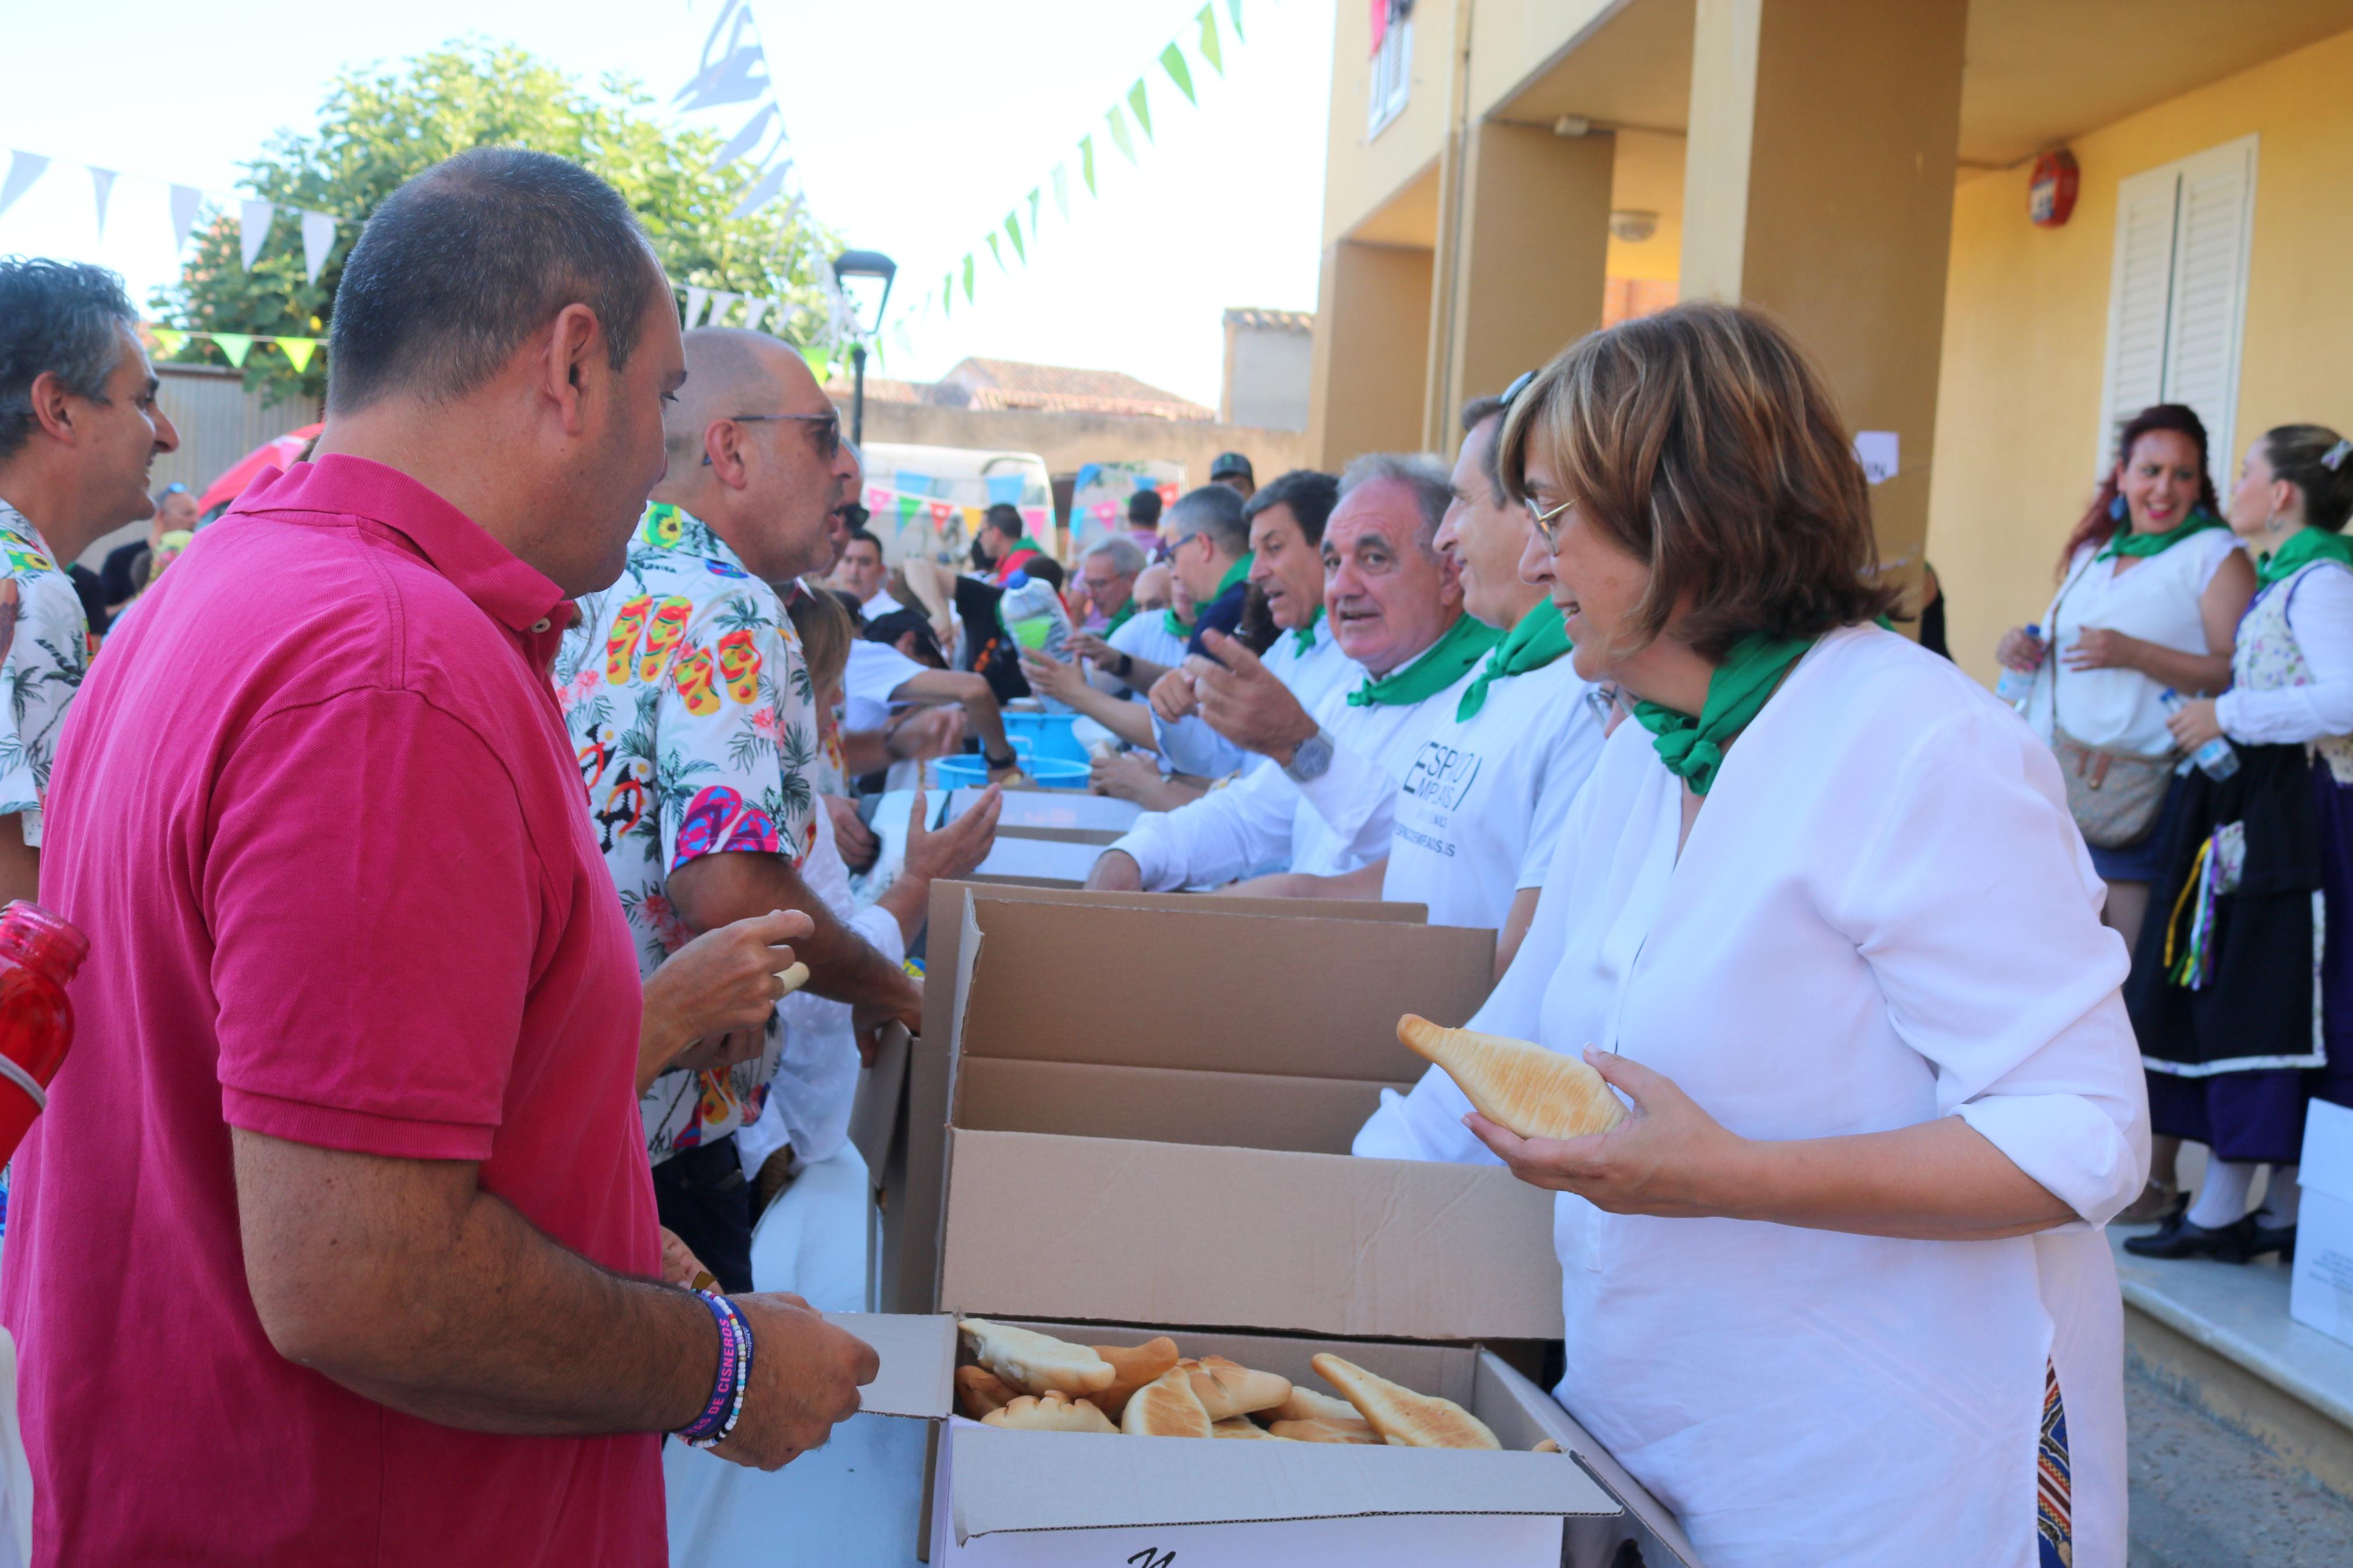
column 1362, row 174
column 2026, row 325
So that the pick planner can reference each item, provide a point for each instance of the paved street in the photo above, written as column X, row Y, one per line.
column 2206, row 1497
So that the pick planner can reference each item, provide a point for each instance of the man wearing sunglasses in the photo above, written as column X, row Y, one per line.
column 692, row 716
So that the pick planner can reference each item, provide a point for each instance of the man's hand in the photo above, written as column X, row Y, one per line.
column 1123, row 775
column 1172, row 695
column 856, row 841
column 1095, row 651
column 955, row 849
column 722, row 980
column 680, row 1266
column 1116, row 872
column 1049, row 677
column 1244, row 702
column 922, row 734
column 717, row 1053
column 805, row 1374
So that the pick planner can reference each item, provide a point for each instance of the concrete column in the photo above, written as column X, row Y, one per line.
column 1371, row 328
column 1532, row 256
column 1818, row 187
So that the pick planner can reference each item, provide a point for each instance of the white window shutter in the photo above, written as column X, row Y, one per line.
column 2139, row 293
column 2209, row 290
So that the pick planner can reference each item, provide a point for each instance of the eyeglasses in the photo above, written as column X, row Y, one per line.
column 1603, row 701
column 826, row 427
column 1546, row 529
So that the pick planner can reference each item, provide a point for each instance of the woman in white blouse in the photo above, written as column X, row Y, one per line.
column 2241, row 992
column 1836, row 1290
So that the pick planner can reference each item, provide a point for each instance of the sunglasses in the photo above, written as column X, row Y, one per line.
column 855, row 516
column 1519, row 384
column 825, row 427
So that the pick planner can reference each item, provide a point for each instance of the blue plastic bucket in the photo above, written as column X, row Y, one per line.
column 1050, row 773
column 1049, row 735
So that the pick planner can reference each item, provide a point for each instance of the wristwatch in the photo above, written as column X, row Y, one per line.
column 1309, row 758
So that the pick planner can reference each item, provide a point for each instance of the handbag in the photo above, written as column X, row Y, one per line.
column 2114, row 796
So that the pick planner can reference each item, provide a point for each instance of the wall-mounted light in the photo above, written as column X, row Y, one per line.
column 1634, row 226
column 1572, row 126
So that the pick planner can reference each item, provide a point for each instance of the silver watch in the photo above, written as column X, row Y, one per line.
column 1309, row 758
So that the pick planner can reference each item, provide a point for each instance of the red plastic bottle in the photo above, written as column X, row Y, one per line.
column 38, row 954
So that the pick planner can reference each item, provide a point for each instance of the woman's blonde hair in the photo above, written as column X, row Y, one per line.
column 1703, row 441
column 825, row 632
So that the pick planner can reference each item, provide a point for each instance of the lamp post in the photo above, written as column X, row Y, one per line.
column 871, row 265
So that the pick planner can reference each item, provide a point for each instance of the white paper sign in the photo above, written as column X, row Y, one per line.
column 1877, row 451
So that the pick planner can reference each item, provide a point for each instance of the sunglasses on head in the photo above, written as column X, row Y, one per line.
column 825, row 427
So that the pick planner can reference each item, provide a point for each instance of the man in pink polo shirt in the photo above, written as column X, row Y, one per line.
column 336, row 1243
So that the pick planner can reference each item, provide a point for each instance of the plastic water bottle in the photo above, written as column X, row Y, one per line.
column 2013, row 686
column 2215, row 758
column 1035, row 621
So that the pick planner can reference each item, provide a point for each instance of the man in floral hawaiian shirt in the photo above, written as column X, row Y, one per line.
column 687, row 698
column 78, row 429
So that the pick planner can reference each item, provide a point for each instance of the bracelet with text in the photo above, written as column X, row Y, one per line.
column 717, row 1421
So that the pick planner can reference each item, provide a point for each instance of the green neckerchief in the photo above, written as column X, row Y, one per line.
column 1539, row 637
column 1303, row 641
column 1445, row 661
column 1234, row 573
column 1691, row 748
column 2125, row 541
column 1120, row 617
column 2313, row 544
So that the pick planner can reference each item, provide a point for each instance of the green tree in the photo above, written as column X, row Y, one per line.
column 378, row 127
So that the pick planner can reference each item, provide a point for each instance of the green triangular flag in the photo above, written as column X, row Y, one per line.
column 298, row 352
column 994, row 250
column 1234, row 9
column 169, row 342
column 1138, row 101
column 947, row 294
column 1033, row 212
column 1171, row 60
column 1063, row 187
column 237, row 345
column 967, row 276
column 820, row 362
column 1209, row 40
column 1013, row 232
column 1119, row 136
column 908, row 507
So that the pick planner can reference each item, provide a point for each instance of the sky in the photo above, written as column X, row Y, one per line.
column 915, row 126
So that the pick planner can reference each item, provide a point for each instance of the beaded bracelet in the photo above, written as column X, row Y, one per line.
column 725, row 1408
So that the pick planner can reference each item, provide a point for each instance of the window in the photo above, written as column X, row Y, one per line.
column 1392, row 64
column 2178, row 297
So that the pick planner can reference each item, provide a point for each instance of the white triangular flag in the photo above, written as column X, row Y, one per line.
column 696, row 299
column 186, row 200
column 253, row 230
column 318, row 242
column 744, row 141
column 764, row 191
column 722, row 302
column 101, row 186
column 752, row 312
column 24, row 168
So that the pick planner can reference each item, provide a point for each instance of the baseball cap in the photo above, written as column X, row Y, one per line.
column 1231, row 463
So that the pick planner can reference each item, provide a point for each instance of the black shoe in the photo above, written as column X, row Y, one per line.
column 2182, row 1238
column 2279, row 1238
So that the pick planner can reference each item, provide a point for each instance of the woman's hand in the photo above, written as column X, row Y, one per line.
column 2021, row 649
column 1668, row 1157
column 2097, row 648
column 2195, row 724
column 1091, row 648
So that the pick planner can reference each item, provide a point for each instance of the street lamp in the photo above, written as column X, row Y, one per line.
column 872, row 267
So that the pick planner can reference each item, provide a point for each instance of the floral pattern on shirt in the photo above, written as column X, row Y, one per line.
column 44, row 654
column 689, row 709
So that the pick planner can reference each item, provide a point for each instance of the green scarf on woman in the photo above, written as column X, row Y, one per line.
column 1446, row 661
column 1691, row 748
column 2313, row 544
column 2125, row 541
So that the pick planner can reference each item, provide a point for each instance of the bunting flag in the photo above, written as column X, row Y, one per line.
column 169, row 341
column 186, row 200
column 1118, row 135
column 753, row 312
column 722, row 302
column 762, row 191
column 993, row 250
column 744, row 141
column 1087, row 162
column 102, row 190
column 298, row 352
column 1141, row 104
column 908, row 506
column 1234, row 10
column 1208, row 20
column 24, row 168
column 1033, row 209
column 967, row 276
column 1171, row 60
column 253, row 230
column 1061, row 193
column 237, row 345
column 696, row 299
column 947, row 293
column 318, row 244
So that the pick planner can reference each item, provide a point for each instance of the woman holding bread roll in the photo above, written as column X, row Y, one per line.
column 1834, row 1286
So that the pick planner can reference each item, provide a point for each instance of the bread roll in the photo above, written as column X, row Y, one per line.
column 1535, row 1092
column 1324, row 1430
column 980, row 1391
column 1306, row 1404
column 1132, row 1367
column 1241, row 1426
column 1034, row 1363
column 1226, row 1389
column 1050, row 1412
column 1546, row 1447
column 1404, row 1418
column 1165, row 1407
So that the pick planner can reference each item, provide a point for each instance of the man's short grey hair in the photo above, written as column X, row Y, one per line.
column 1425, row 476
column 61, row 319
column 1126, row 555
column 1215, row 509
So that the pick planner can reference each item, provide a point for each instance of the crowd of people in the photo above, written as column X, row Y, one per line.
column 524, row 742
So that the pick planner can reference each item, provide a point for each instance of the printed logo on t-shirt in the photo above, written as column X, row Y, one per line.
column 1441, row 775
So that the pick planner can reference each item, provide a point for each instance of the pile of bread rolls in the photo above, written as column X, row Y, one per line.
column 1033, row 1381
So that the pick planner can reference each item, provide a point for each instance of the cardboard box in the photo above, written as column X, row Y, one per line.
column 911, row 1179
column 2320, row 1291
column 1055, row 810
